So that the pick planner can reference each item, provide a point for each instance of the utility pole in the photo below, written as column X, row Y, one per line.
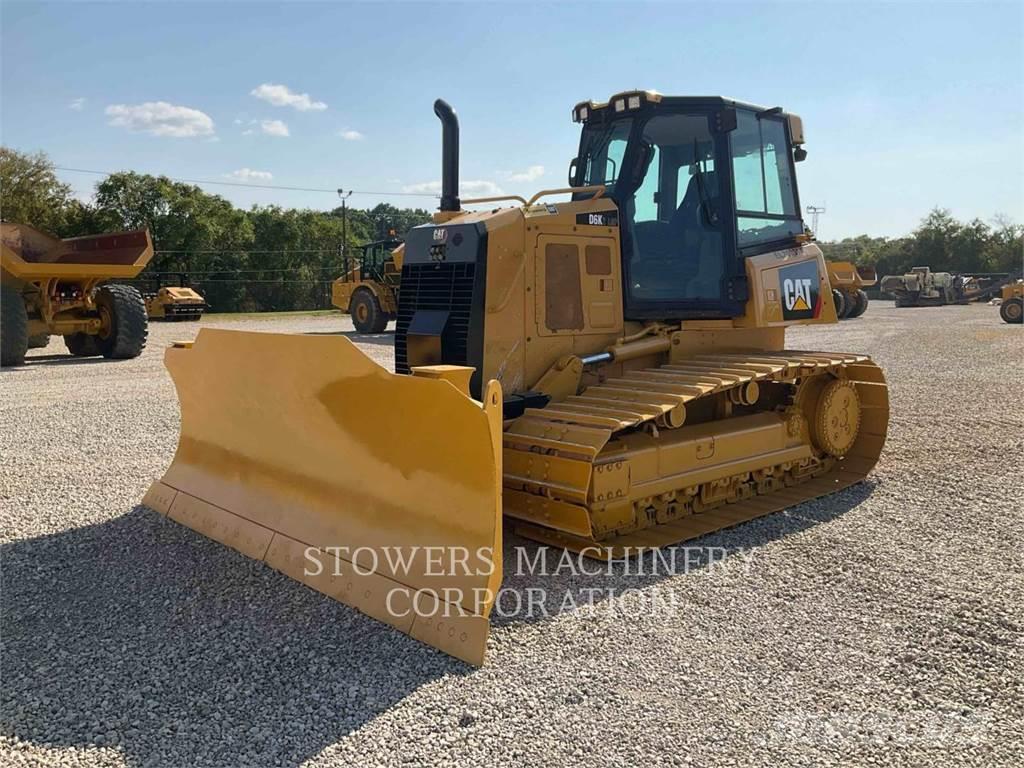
column 815, row 211
column 344, row 225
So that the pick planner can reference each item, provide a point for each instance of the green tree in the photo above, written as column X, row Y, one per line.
column 31, row 193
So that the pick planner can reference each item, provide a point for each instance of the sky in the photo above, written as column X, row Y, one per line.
column 906, row 106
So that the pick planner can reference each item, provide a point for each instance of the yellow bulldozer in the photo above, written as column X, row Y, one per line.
column 61, row 287
column 848, row 282
column 608, row 372
column 369, row 285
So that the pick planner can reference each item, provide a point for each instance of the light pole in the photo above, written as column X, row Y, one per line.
column 815, row 211
column 344, row 226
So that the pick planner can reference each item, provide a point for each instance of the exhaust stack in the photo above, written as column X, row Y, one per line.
column 449, row 156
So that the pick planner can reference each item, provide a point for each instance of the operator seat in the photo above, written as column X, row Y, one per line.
column 680, row 258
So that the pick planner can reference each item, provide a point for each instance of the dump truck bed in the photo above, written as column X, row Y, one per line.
column 28, row 254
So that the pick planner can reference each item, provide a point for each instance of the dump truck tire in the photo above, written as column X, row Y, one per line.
column 13, row 327
column 1012, row 310
column 38, row 340
column 367, row 316
column 860, row 303
column 81, row 345
column 125, row 316
column 840, row 302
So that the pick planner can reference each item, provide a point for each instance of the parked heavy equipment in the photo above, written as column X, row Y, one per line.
column 848, row 282
column 980, row 286
column 1011, row 308
column 923, row 288
column 61, row 287
column 173, row 298
column 920, row 287
column 369, row 285
column 610, row 372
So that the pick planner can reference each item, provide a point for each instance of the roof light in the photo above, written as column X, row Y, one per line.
column 584, row 113
column 620, row 105
column 634, row 102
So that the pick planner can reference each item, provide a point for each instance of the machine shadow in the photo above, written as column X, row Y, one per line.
column 386, row 338
column 110, row 627
column 532, row 566
column 65, row 359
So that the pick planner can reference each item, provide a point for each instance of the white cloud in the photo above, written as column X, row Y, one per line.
column 466, row 188
column 532, row 173
column 274, row 128
column 349, row 135
column 282, row 96
column 161, row 119
column 248, row 175
column 77, row 104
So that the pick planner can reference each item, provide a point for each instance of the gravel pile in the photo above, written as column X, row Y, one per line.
column 881, row 625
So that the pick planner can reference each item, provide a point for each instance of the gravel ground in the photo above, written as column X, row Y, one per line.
column 881, row 625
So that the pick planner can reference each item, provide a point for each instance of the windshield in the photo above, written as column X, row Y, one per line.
column 601, row 150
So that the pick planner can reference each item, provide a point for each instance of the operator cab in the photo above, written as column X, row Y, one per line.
column 700, row 183
column 376, row 262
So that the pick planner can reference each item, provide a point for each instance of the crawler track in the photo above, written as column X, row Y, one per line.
column 577, row 473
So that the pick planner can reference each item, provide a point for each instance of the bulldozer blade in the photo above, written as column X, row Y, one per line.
column 381, row 491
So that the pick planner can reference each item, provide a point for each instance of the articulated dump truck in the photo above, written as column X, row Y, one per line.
column 848, row 282
column 62, row 287
column 609, row 373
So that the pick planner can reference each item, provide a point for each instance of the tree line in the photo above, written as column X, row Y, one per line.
column 941, row 242
column 270, row 258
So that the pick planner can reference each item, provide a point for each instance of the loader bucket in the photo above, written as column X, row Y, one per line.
column 382, row 491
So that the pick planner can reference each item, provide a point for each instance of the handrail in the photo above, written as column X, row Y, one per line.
column 597, row 189
column 494, row 199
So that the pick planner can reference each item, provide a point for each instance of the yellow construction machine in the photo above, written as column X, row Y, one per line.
column 173, row 298
column 848, row 282
column 1011, row 306
column 609, row 371
column 368, row 286
column 61, row 287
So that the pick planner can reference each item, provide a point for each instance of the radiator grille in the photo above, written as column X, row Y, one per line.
column 443, row 286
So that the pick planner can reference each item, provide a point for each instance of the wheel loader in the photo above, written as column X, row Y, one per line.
column 848, row 282
column 61, row 287
column 608, row 372
column 369, row 286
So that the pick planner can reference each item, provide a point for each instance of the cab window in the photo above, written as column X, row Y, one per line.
column 676, row 253
column 766, row 203
column 603, row 149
